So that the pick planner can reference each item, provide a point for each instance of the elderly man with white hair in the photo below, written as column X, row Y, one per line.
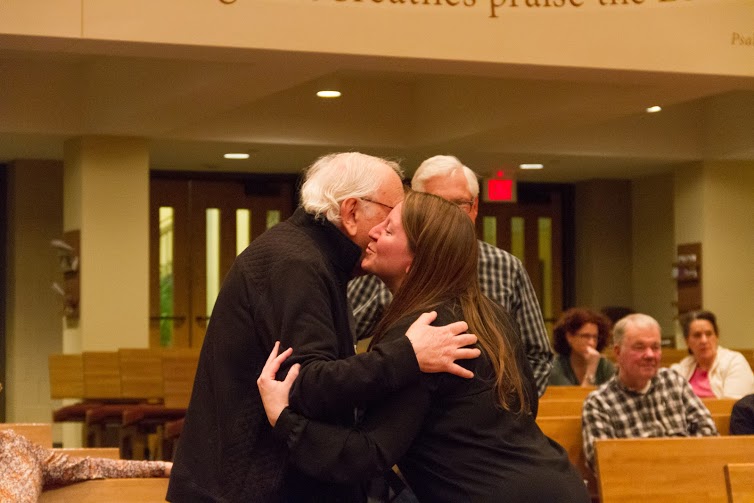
column 290, row 285
column 642, row 400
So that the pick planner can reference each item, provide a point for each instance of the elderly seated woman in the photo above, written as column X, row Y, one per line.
column 712, row 370
column 579, row 337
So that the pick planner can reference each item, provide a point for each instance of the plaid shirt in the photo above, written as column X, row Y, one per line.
column 502, row 278
column 669, row 408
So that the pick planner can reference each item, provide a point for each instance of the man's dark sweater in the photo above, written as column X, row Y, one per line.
column 288, row 285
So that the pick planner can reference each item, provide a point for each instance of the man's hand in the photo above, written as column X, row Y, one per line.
column 274, row 393
column 437, row 348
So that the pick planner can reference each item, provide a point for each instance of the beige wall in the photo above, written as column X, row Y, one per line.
column 714, row 206
column 112, row 177
column 654, row 250
column 603, row 244
column 667, row 36
column 34, row 311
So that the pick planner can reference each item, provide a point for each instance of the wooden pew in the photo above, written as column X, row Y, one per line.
column 739, row 482
column 560, row 408
column 66, row 376
column 719, row 405
column 668, row 470
column 146, row 490
column 101, row 375
column 567, row 392
column 141, row 374
column 722, row 422
column 178, row 371
column 672, row 355
column 566, row 430
column 39, row 433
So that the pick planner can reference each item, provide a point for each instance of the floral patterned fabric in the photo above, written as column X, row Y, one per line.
column 27, row 468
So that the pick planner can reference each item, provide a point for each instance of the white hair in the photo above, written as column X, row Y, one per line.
column 335, row 177
column 637, row 320
column 444, row 165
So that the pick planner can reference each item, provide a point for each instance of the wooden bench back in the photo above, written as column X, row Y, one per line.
column 719, row 405
column 722, row 422
column 668, row 470
column 739, row 482
column 101, row 374
column 39, row 433
column 672, row 355
column 560, row 407
column 141, row 373
column 178, row 371
column 567, row 393
column 66, row 376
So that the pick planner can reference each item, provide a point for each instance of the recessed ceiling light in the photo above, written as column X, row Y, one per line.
column 654, row 109
column 328, row 94
column 531, row 166
column 236, row 155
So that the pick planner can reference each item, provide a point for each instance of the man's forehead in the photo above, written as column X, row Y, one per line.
column 448, row 185
column 642, row 334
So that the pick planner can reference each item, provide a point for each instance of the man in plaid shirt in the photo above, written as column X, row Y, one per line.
column 642, row 400
column 502, row 277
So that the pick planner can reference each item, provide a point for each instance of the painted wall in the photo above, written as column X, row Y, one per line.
column 702, row 37
column 112, row 177
column 603, row 244
column 34, row 310
column 714, row 206
column 728, row 249
column 653, row 250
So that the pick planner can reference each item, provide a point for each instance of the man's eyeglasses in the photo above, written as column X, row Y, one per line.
column 377, row 202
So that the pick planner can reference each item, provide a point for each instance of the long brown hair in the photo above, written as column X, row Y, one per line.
column 444, row 268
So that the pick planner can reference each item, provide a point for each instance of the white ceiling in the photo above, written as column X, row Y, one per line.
column 194, row 104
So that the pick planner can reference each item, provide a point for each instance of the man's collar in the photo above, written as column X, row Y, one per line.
column 643, row 391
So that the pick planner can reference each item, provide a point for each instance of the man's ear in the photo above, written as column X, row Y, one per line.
column 348, row 216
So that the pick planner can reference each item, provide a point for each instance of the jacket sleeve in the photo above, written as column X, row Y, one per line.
column 330, row 385
column 342, row 454
column 737, row 377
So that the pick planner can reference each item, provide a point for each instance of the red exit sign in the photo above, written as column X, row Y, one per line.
column 500, row 189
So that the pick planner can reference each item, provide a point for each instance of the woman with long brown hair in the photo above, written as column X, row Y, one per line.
column 453, row 439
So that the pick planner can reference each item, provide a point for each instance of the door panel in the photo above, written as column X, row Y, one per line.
column 533, row 233
column 210, row 218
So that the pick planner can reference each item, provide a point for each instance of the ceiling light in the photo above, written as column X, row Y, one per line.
column 531, row 166
column 654, row 109
column 236, row 155
column 328, row 94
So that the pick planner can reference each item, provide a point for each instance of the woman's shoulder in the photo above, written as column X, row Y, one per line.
column 729, row 357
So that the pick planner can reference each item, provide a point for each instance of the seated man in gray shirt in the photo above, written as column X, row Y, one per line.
column 642, row 400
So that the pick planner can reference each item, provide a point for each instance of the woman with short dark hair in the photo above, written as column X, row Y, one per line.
column 579, row 337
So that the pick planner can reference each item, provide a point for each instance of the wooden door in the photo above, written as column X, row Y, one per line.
column 198, row 227
column 532, row 231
